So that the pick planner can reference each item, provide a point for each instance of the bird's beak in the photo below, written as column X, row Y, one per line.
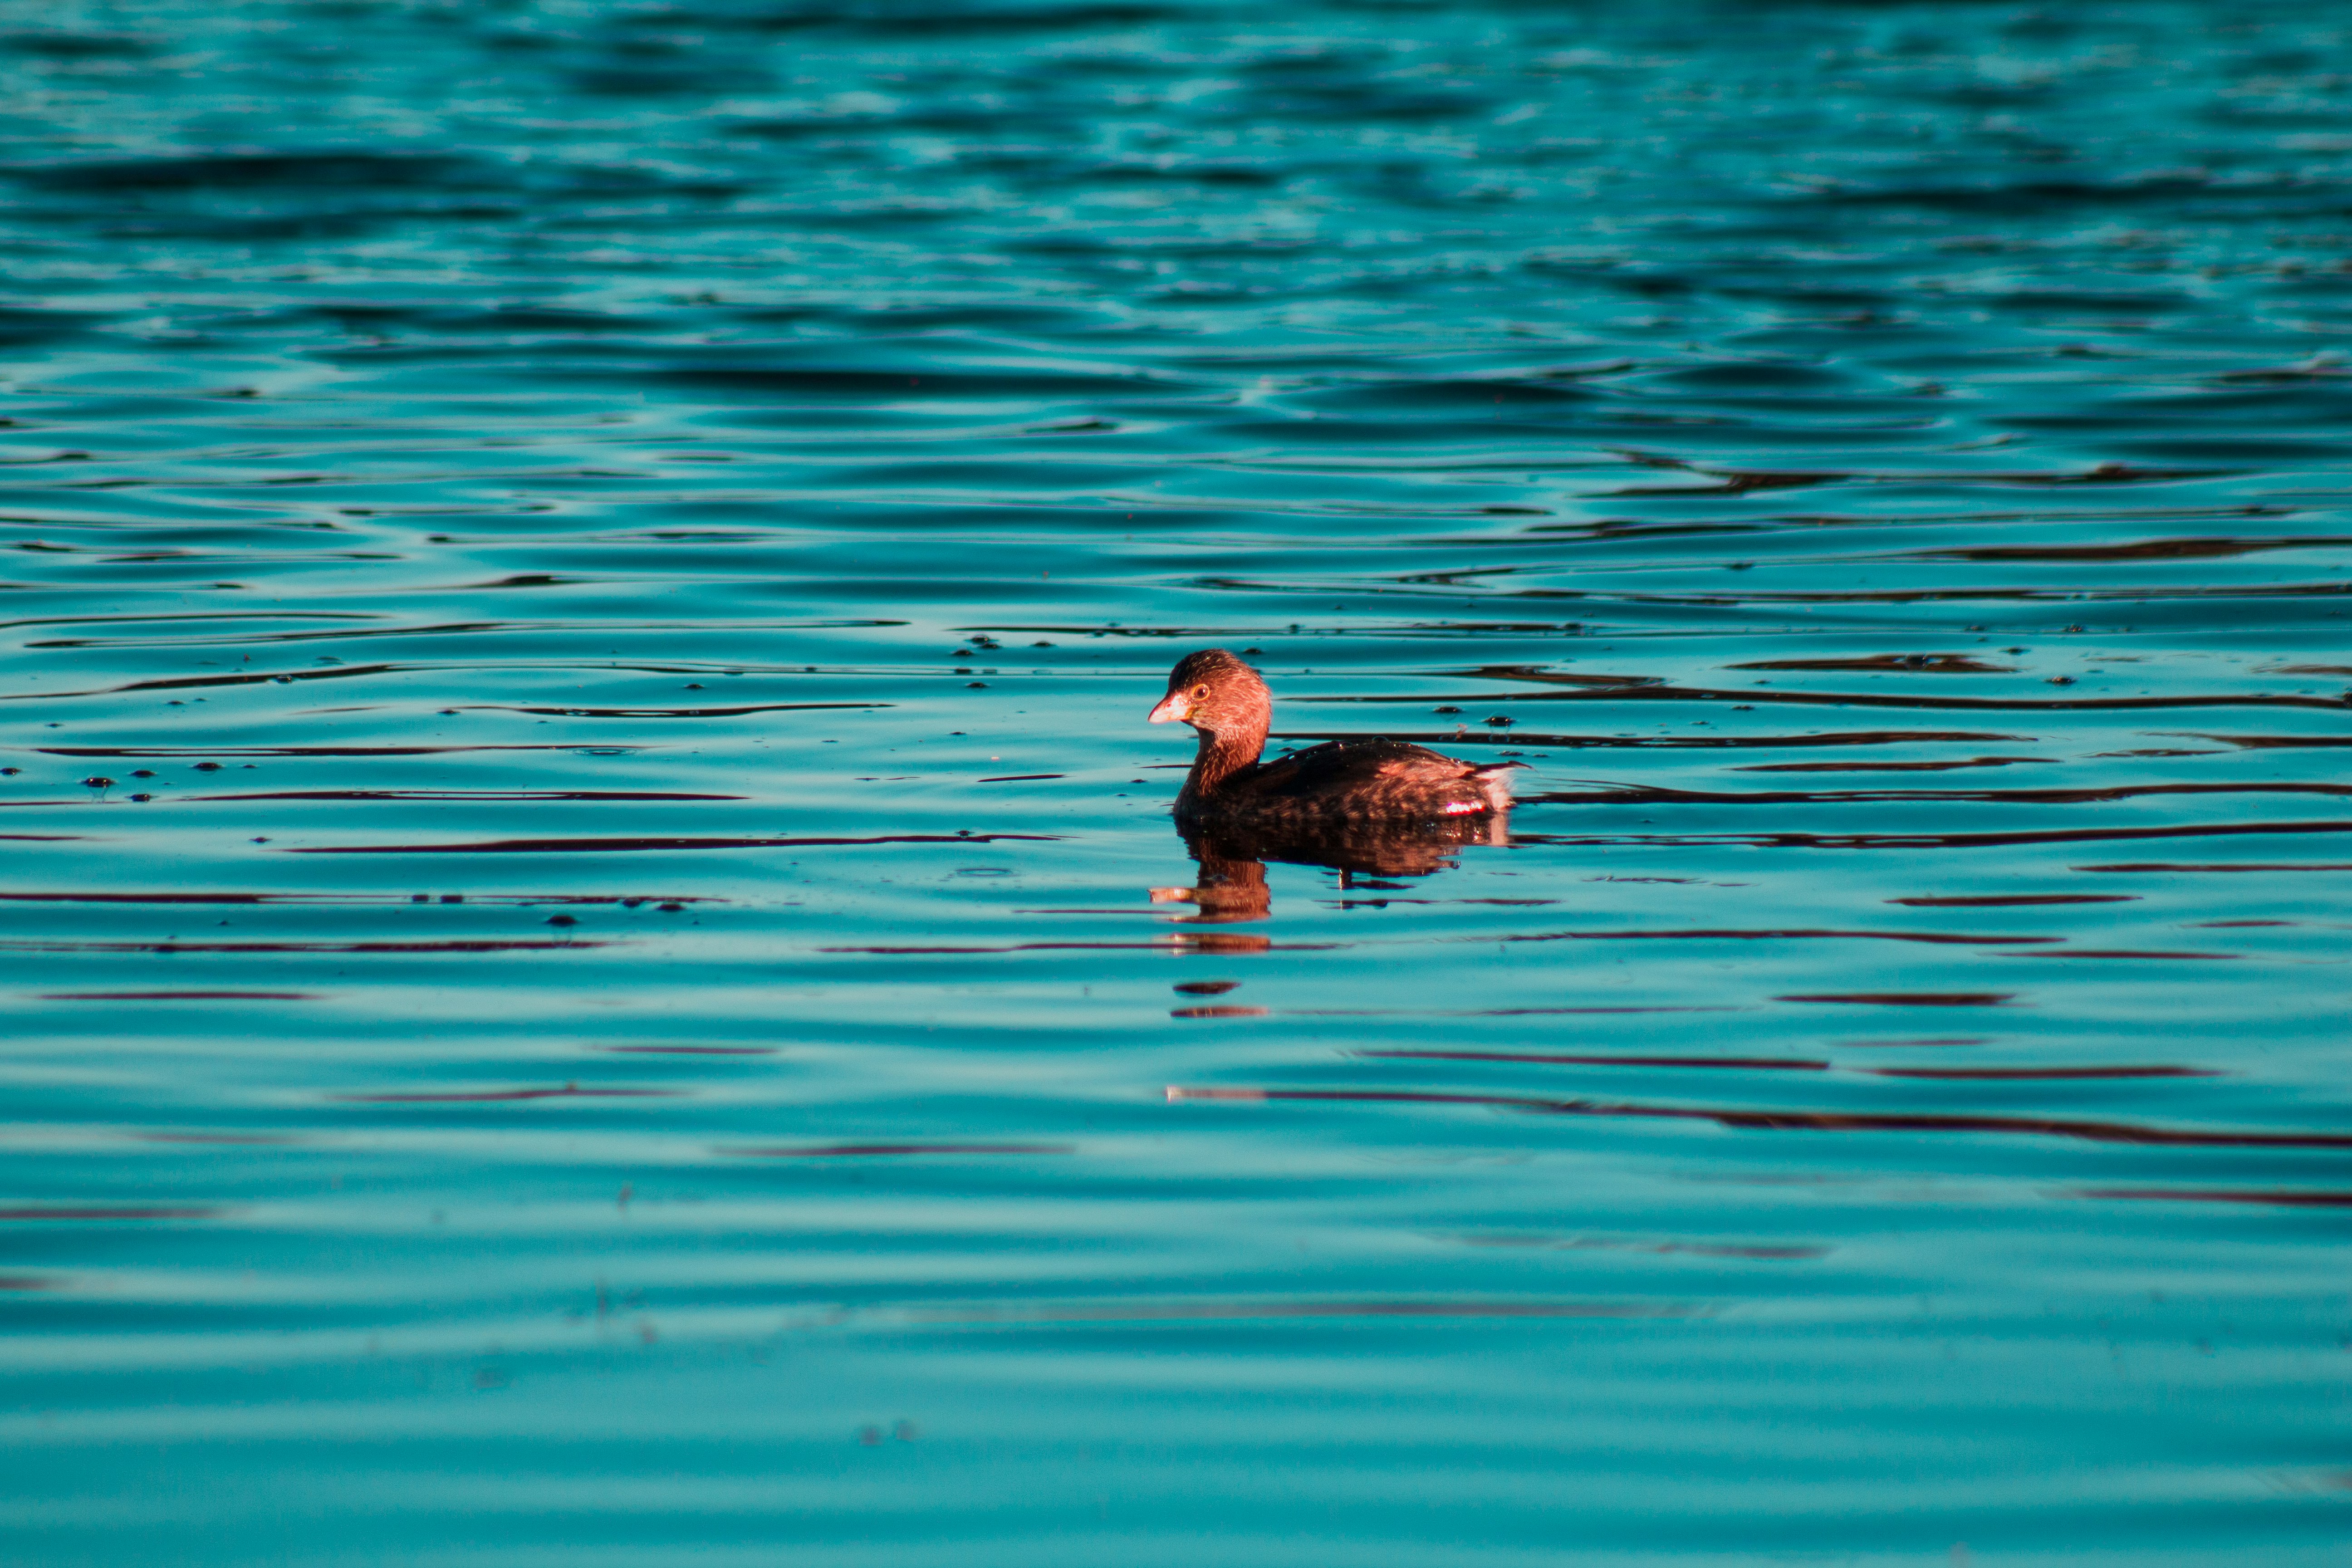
column 1174, row 708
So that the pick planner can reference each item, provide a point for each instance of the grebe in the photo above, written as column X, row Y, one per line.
column 1325, row 786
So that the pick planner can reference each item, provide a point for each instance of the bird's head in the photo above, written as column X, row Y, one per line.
column 1217, row 694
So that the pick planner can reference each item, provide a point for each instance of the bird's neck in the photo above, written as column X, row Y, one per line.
column 1222, row 755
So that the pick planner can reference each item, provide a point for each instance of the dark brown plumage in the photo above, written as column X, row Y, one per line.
column 1337, row 783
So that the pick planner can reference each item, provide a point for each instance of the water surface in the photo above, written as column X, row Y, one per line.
column 595, row 967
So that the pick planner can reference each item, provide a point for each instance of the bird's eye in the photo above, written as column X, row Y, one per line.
column 1201, row 690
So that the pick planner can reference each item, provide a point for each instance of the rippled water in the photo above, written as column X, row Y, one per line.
column 578, row 936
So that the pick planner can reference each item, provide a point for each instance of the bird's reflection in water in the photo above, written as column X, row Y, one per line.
column 1231, row 885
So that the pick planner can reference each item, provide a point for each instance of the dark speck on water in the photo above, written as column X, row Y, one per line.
column 1880, row 466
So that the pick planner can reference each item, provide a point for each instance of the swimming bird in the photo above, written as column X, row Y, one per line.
column 1323, row 787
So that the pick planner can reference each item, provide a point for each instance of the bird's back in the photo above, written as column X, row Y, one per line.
column 1359, row 780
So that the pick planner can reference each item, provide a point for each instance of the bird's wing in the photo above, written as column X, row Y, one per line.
column 1338, row 767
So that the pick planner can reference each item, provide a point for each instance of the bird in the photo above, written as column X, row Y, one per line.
column 1340, row 783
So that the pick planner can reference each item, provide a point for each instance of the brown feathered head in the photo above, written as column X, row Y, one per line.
column 1218, row 695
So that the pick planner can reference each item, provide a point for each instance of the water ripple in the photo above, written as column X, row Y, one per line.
column 669, row 1054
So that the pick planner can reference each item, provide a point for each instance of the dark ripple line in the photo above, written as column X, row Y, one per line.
column 2162, row 866
column 2259, row 742
column 1657, row 794
column 1798, row 1064
column 1629, row 743
column 867, row 1151
column 466, row 795
column 448, row 628
column 1629, row 692
column 1798, row 526
column 1801, row 1121
column 568, row 1091
column 1760, row 1064
column 1936, row 840
column 2284, row 1197
column 2037, row 1075
column 179, row 996
column 2148, row 595
column 168, row 752
column 1798, row 1253
column 629, row 845
column 484, row 946
column 2014, row 901
column 1159, row 1311
column 1938, row 767
column 1490, row 1012
column 1750, row 600
column 225, row 1140
column 195, row 616
column 356, row 900
column 1789, row 933
column 670, row 712
column 1908, row 998
column 286, row 677
column 2100, row 952
column 690, row 1051
column 182, row 682
column 153, row 1211
column 1214, row 941
column 1783, row 479
column 258, row 639
column 2205, row 548
column 1888, row 664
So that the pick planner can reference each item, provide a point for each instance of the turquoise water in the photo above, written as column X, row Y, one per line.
column 594, row 967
